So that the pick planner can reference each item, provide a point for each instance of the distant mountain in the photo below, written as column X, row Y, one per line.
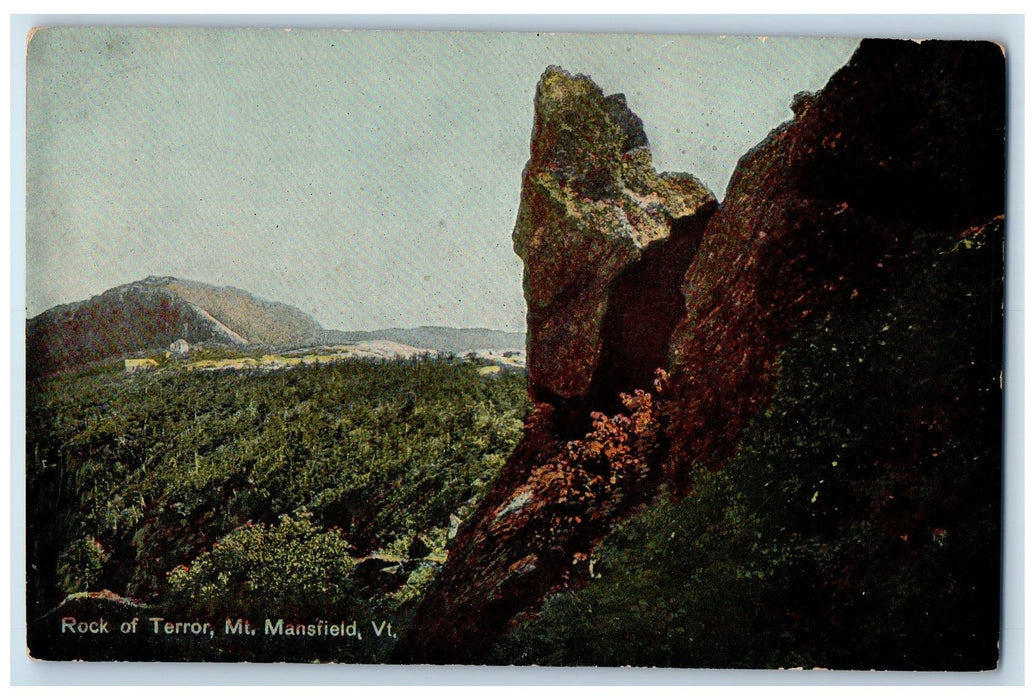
column 437, row 338
column 150, row 314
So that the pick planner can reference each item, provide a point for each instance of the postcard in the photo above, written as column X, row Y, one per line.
column 495, row 348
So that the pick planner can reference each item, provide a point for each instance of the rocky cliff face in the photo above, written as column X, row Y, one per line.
column 902, row 148
column 656, row 323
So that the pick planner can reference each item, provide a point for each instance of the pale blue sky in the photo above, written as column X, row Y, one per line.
column 369, row 178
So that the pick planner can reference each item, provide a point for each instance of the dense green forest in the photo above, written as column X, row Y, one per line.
column 312, row 491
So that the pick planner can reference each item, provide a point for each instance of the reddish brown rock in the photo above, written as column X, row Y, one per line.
column 903, row 150
column 592, row 207
column 605, row 240
column 905, row 144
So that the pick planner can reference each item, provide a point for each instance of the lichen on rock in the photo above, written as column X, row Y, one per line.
column 591, row 205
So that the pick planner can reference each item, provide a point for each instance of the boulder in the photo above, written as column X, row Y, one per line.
column 592, row 207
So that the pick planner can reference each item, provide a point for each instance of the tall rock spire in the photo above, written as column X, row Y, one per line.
column 592, row 206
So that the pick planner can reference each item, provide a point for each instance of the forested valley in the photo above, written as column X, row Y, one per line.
column 311, row 492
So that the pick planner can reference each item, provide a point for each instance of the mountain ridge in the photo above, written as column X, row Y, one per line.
column 147, row 315
column 443, row 339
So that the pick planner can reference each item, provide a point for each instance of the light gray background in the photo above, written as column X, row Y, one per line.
column 1008, row 30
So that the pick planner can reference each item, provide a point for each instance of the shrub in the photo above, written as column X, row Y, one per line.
column 288, row 569
column 81, row 564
